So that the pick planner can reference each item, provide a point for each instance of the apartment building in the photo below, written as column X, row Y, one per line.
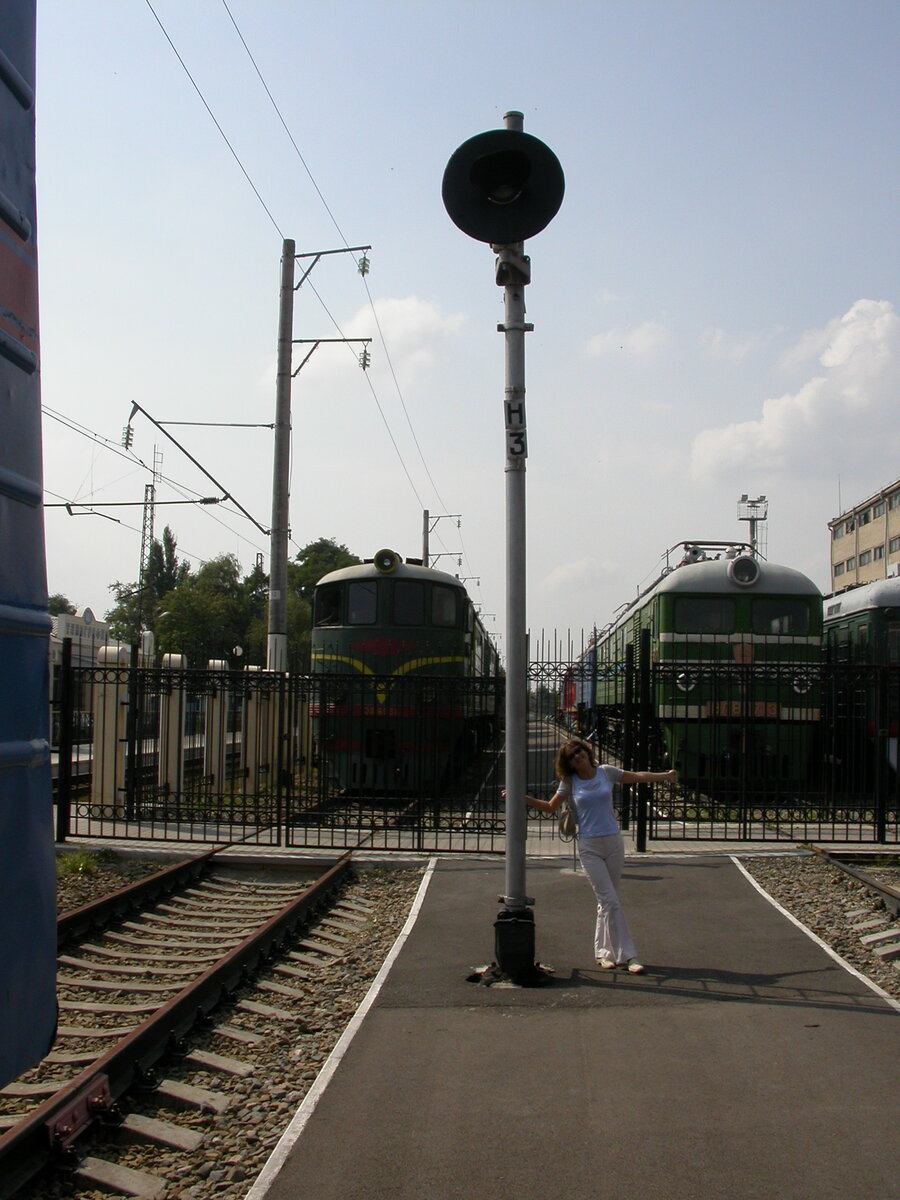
column 865, row 540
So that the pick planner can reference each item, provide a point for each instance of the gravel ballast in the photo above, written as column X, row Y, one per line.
column 237, row 1142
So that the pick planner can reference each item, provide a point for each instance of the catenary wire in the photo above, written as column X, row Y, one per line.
column 382, row 338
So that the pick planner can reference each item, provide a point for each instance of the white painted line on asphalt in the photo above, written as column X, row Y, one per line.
column 895, row 1004
column 292, row 1134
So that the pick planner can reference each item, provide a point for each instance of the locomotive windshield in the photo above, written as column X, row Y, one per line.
column 704, row 614
column 328, row 604
column 408, row 602
column 781, row 614
column 362, row 603
column 443, row 606
column 411, row 602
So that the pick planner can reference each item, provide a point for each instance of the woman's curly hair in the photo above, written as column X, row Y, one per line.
column 562, row 765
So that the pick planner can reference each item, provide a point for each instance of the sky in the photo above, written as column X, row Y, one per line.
column 715, row 304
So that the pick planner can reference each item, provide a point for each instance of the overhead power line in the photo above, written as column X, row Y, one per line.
column 196, row 88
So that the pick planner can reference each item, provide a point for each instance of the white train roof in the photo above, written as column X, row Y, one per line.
column 714, row 575
column 881, row 593
column 400, row 570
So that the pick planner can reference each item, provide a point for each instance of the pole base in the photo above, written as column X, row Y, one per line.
column 514, row 949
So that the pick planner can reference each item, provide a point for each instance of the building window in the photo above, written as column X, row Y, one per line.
column 850, row 526
column 894, row 501
column 894, row 545
column 865, row 558
column 865, row 516
column 837, row 531
column 838, row 569
column 878, row 510
column 851, row 563
column 877, row 552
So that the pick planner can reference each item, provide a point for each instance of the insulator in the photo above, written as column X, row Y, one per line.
column 127, row 437
column 363, row 265
column 365, row 359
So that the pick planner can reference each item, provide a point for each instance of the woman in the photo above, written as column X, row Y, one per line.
column 588, row 789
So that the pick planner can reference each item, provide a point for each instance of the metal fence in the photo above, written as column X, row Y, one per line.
column 765, row 750
column 416, row 763
column 270, row 758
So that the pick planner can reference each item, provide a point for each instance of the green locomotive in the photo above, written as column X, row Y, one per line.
column 408, row 676
column 734, row 645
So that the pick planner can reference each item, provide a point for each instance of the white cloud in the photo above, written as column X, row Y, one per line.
column 564, row 575
column 721, row 345
column 842, row 418
column 637, row 341
column 413, row 329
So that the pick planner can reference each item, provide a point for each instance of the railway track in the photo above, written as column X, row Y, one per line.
column 141, row 975
column 877, row 870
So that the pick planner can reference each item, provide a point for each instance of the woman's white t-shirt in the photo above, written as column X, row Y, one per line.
column 592, row 800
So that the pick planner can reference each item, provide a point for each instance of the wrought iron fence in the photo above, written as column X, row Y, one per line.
column 416, row 763
column 324, row 761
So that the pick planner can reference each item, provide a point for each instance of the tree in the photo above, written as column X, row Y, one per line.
column 205, row 614
column 57, row 604
column 317, row 559
column 136, row 605
column 163, row 571
column 124, row 614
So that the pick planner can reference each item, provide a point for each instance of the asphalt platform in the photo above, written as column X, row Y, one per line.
column 747, row 1062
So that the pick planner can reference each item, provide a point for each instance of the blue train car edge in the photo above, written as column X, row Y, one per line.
column 27, row 872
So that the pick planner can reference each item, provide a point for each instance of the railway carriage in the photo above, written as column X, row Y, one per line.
column 407, row 676
column 862, row 641
column 734, row 645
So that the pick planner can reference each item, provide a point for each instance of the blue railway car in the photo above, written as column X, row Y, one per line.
column 403, row 656
column 27, row 866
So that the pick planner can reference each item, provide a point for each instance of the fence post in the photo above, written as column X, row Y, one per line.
column 643, row 791
column 215, row 726
column 64, row 744
column 627, row 747
column 171, row 727
column 882, row 735
column 110, row 729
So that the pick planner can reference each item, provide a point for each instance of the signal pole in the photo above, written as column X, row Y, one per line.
column 502, row 187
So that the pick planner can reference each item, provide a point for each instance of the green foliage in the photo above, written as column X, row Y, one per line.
column 164, row 571
column 317, row 559
column 57, row 604
column 207, row 613
column 78, row 862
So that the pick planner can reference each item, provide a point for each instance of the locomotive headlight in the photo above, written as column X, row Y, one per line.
column 744, row 570
column 685, row 681
column 801, row 684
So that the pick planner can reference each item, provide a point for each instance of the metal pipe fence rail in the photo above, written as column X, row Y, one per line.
column 415, row 763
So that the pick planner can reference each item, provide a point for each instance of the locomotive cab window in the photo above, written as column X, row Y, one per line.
column 781, row 615
column 409, row 602
column 704, row 614
column 328, row 604
column 362, row 603
column 893, row 641
column 443, row 606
